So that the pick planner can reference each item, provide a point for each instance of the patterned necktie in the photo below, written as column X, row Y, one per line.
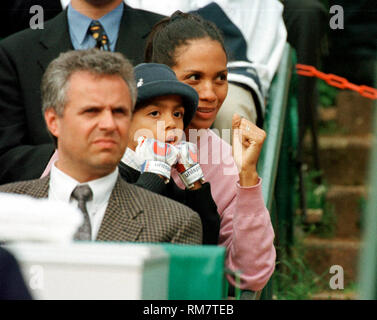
column 83, row 194
column 98, row 33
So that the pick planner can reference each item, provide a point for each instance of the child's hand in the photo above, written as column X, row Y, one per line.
column 158, row 156
column 187, row 166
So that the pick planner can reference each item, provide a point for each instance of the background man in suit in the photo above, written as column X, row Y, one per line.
column 25, row 146
column 87, row 100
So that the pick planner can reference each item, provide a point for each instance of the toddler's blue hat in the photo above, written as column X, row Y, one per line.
column 155, row 80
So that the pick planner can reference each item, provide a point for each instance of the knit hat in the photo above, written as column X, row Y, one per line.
column 156, row 80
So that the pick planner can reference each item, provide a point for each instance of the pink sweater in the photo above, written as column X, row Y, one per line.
column 246, row 230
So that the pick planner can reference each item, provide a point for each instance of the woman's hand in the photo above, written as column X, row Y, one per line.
column 248, row 140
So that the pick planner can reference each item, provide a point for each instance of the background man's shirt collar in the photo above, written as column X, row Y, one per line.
column 79, row 24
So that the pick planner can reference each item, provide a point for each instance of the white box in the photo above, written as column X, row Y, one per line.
column 93, row 270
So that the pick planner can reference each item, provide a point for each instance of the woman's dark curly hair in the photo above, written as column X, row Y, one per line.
column 177, row 30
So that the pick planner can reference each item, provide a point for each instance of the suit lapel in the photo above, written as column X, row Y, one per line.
column 40, row 188
column 119, row 223
column 133, row 31
column 55, row 39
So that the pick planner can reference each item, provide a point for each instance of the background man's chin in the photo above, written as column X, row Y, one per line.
column 99, row 3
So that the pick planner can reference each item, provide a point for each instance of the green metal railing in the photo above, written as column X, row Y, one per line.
column 274, row 163
column 276, row 113
column 368, row 257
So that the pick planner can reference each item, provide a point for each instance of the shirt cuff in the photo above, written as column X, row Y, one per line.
column 258, row 185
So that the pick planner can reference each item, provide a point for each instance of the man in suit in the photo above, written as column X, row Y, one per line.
column 87, row 98
column 25, row 146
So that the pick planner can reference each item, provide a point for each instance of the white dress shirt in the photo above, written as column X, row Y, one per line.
column 62, row 185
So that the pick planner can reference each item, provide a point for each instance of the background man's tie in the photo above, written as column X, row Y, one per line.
column 98, row 33
column 83, row 194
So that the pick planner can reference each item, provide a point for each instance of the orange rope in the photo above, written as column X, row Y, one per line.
column 336, row 81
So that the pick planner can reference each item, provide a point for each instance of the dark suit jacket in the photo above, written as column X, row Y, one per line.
column 25, row 146
column 133, row 214
column 12, row 283
column 15, row 14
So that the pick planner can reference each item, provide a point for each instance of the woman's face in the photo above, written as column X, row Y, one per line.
column 202, row 64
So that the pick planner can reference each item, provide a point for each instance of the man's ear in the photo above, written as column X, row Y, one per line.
column 52, row 121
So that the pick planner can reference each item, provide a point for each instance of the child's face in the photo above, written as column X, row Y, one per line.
column 161, row 119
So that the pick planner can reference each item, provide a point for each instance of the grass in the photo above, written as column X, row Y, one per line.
column 327, row 94
column 325, row 228
column 352, row 287
column 293, row 279
column 316, row 199
column 331, row 127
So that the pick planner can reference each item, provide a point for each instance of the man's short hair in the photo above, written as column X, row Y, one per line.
column 55, row 80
